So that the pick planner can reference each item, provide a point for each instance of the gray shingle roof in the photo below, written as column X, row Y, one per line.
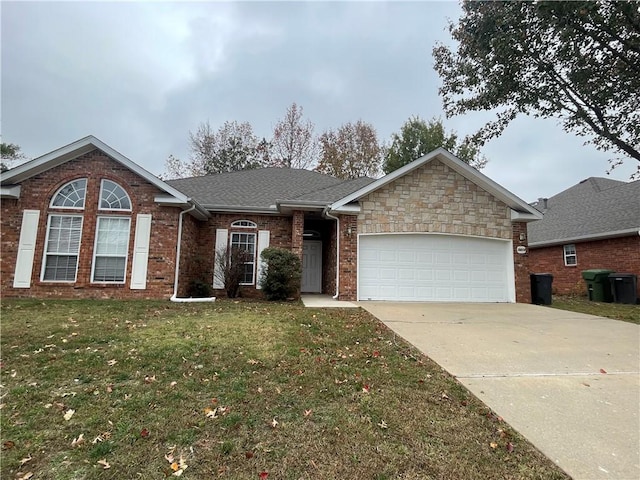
column 261, row 188
column 594, row 207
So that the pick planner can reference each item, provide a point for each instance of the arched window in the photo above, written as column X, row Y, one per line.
column 113, row 197
column 64, row 231
column 71, row 195
column 243, row 224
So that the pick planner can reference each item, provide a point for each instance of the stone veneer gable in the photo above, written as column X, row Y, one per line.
column 434, row 198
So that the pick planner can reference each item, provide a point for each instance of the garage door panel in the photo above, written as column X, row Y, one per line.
column 414, row 267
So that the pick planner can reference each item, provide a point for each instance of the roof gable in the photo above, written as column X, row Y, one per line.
column 15, row 176
column 592, row 209
column 470, row 173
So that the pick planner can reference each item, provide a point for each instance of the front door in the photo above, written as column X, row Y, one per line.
column 311, row 266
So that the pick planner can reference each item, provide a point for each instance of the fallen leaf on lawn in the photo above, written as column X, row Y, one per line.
column 307, row 413
column 26, row 460
column 502, row 433
column 149, row 379
column 104, row 463
column 112, row 362
column 493, row 445
column 175, row 467
column 173, row 384
column 253, row 362
column 68, row 414
column 366, row 388
column 144, row 433
column 79, row 440
column 509, row 447
column 169, row 457
column 263, row 475
column 48, row 405
column 602, row 370
column 376, row 354
column 109, row 388
column 9, row 444
column 383, row 424
column 274, row 423
column 25, row 476
column 248, row 454
column 445, row 396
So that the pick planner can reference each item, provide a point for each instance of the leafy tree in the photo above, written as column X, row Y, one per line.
column 576, row 61
column 418, row 137
column 293, row 144
column 281, row 278
column 9, row 153
column 232, row 147
column 350, row 152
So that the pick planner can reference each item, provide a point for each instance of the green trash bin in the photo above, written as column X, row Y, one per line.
column 598, row 286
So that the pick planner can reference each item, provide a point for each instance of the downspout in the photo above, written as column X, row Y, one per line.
column 337, row 219
column 174, row 297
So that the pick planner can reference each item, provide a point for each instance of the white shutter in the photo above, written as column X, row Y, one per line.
column 221, row 246
column 263, row 242
column 26, row 249
column 141, row 252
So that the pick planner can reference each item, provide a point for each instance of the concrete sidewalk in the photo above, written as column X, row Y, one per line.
column 568, row 382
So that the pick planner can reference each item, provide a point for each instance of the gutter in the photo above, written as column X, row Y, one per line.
column 337, row 219
column 174, row 297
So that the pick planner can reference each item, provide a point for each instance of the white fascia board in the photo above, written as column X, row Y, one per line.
column 525, row 217
column 10, row 191
column 272, row 210
column 454, row 163
column 586, row 238
column 350, row 208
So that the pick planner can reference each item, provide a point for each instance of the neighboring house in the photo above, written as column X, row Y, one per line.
column 85, row 221
column 594, row 224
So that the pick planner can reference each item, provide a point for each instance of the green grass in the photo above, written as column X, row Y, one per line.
column 236, row 389
column 617, row 311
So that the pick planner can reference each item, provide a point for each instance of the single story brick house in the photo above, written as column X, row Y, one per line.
column 84, row 221
column 594, row 224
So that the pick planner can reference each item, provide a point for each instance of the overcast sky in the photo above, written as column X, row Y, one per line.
column 140, row 76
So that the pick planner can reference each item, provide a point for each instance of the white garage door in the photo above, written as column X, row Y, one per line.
column 440, row 268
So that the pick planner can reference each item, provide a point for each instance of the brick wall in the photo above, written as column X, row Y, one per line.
column 521, row 261
column 348, row 257
column 36, row 194
column 618, row 254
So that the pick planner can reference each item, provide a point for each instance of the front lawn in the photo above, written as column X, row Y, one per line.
column 617, row 311
column 113, row 389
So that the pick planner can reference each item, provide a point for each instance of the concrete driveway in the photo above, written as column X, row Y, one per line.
column 568, row 382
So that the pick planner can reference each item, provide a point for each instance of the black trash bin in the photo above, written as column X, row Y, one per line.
column 541, row 288
column 624, row 287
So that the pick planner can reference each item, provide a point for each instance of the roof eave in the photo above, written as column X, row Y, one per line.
column 586, row 238
column 241, row 209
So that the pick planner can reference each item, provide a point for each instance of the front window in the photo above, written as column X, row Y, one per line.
column 110, row 252
column 570, row 256
column 246, row 242
column 61, row 248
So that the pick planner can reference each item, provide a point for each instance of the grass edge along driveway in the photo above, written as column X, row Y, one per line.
column 149, row 389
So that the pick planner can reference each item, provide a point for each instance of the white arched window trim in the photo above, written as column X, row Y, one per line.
column 113, row 193
column 74, row 191
column 244, row 224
